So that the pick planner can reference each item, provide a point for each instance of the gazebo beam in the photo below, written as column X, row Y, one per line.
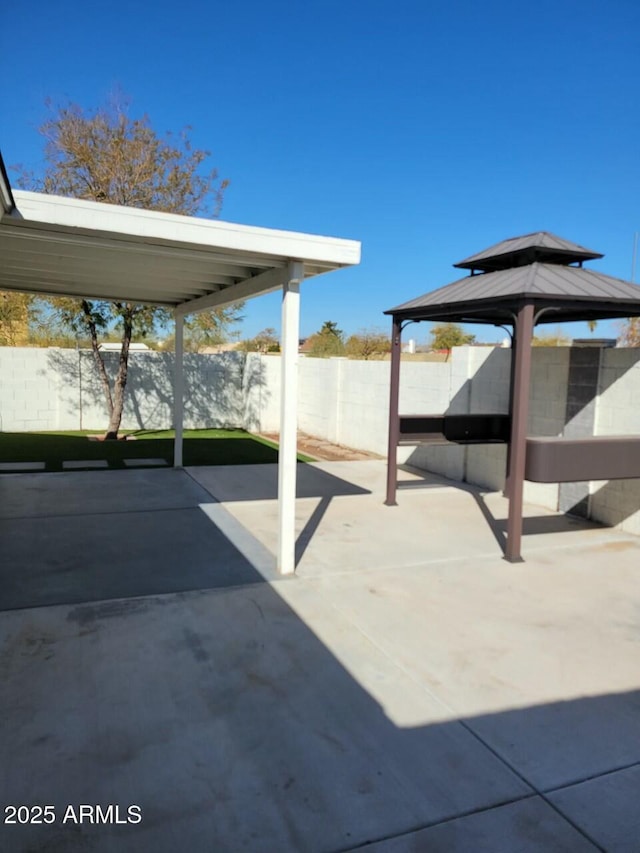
column 519, row 407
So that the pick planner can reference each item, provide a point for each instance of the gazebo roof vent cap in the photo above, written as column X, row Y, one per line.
column 520, row 251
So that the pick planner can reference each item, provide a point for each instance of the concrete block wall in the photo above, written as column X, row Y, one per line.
column 447, row 389
column 617, row 412
column 547, row 410
column 362, row 396
column 32, row 397
column 261, row 393
column 60, row 389
column 318, row 390
column 347, row 402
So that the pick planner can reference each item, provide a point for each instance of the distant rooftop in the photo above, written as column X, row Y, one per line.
column 109, row 346
column 540, row 246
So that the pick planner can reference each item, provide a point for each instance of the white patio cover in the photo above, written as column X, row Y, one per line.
column 69, row 247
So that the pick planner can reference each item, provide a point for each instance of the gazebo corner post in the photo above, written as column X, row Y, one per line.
column 178, row 390
column 512, row 373
column 394, row 418
column 287, row 456
column 519, row 406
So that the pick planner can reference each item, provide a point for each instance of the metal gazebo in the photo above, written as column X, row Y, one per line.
column 520, row 283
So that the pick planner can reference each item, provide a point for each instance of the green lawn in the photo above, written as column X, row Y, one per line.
column 201, row 447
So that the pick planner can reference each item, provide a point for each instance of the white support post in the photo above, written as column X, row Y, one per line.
column 178, row 391
column 287, row 458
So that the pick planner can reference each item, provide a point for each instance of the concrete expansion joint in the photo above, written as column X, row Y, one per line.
column 470, row 730
column 99, row 513
column 536, row 791
column 591, row 777
column 419, row 828
column 393, row 661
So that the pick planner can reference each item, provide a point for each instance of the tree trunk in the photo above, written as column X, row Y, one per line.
column 97, row 356
column 121, row 379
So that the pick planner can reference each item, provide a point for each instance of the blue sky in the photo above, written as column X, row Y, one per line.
column 426, row 130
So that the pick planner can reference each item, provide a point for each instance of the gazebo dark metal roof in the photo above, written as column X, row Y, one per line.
column 538, row 267
column 516, row 251
column 523, row 281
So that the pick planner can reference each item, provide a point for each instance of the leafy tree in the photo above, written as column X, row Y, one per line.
column 368, row 343
column 265, row 341
column 331, row 328
column 630, row 333
column 109, row 157
column 448, row 335
column 207, row 328
column 328, row 341
column 14, row 318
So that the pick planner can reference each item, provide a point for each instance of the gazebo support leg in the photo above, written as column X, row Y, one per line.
column 518, row 440
column 178, row 392
column 512, row 373
column 394, row 423
column 287, row 456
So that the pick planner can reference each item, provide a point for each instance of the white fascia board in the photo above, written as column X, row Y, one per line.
column 149, row 225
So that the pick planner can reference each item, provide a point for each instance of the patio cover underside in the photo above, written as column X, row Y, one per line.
column 69, row 247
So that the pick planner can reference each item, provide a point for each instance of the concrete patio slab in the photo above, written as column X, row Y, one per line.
column 71, row 538
column 77, row 464
column 340, row 516
column 22, row 466
column 230, row 723
column 607, row 808
column 539, row 658
column 233, row 483
column 407, row 690
column 528, row 826
column 115, row 556
column 87, row 492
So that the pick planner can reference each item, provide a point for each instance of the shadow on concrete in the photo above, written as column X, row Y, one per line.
column 234, row 727
column 425, row 479
column 86, row 536
column 78, row 537
column 531, row 525
column 261, row 483
column 307, row 533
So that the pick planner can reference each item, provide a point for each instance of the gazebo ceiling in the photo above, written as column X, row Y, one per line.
column 535, row 268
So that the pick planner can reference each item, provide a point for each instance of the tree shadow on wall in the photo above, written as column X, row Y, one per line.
column 220, row 390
